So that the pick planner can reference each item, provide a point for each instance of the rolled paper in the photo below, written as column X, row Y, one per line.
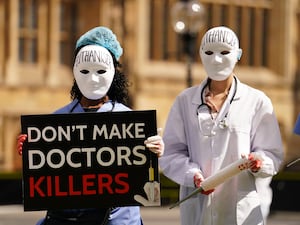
column 224, row 174
column 218, row 178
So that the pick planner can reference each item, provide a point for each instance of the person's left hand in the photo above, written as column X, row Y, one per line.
column 156, row 144
column 255, row 163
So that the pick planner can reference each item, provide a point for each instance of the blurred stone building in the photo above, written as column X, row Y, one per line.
column 38, row 38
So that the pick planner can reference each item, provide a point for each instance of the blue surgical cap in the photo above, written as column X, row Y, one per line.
column 101, row 36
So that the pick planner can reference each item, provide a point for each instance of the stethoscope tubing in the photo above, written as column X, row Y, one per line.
column 204, row 87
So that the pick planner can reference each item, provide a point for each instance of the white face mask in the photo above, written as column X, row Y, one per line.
column 219, row 53
column 94, row 71
column 219, row 61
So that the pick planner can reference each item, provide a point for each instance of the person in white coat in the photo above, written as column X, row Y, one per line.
column 213, row 125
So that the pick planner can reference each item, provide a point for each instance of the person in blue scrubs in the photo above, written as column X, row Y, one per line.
column 99, row 86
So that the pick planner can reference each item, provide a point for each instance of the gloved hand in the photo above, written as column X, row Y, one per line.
column 156, row 144
column 20, row 141
column 255, row 162
column 198, row 178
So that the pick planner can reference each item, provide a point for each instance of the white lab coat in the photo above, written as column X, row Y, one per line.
column 252, row 127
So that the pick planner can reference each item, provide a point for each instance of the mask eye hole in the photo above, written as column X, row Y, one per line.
column 209, row 53
column 225, row 52
column 84, row 71
column 101, row 71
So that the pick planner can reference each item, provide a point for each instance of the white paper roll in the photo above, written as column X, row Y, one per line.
column 224, row 174
column 218, row 178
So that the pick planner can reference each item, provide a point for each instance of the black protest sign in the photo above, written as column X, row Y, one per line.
column 89, row 160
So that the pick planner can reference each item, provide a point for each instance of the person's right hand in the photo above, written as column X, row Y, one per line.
column 20, row 142
column 198, row 178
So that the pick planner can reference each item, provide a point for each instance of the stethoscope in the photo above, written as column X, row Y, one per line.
column 223, row 123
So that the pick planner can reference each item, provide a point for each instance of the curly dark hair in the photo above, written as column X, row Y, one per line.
column 119, row 89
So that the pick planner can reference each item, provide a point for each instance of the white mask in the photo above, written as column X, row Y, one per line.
column 219, row 52
column 94, row 71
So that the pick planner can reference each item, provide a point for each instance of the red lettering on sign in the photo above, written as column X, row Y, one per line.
column 104, row 181
column 125, row 185
column 49, row 186
column 71, row 187
column 58, row 192
column 90, row 184
column 86, row 183
column 35, row 186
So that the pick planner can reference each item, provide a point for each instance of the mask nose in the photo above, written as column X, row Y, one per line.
column 218, row 59
column 94, row 77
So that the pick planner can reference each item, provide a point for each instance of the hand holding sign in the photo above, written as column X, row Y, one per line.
column 155, row 143
column 20, row 142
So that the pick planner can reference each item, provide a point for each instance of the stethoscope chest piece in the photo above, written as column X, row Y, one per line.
column 223, row 123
